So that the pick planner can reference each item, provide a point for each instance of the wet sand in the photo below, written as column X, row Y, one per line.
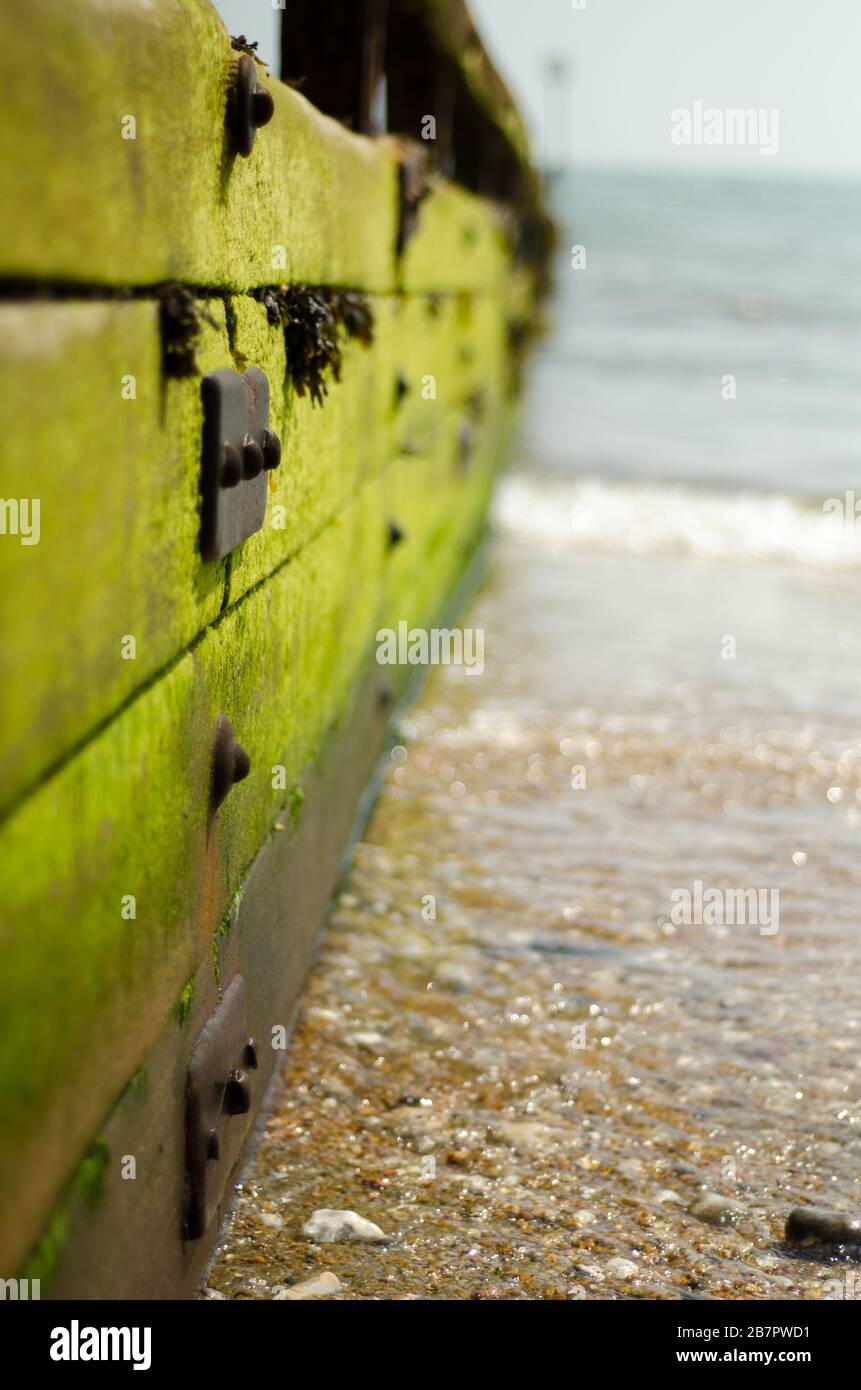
column 530, row 1089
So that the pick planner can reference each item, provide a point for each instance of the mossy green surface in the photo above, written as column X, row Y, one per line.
column 130, row 814
column 284, row 660
column 118, row 483
column 117, row 480
column 447, row 348
column 86, row 991
column 329, row 450
column 460, row 243
column 175, row 202
column 312, row 204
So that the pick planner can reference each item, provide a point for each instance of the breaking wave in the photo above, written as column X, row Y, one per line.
column 659, row 518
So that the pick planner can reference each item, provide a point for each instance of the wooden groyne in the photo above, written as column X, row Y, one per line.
column 166, row 219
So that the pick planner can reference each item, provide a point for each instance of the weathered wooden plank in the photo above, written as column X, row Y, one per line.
column 116, row 481
column 123, row 1239
column 174, row 202
column 84, row 987
column 282, row 662
column 313, row 203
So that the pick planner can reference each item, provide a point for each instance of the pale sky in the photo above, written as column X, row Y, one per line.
column 633, row 62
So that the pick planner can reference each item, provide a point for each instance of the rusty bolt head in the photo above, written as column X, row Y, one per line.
column 230, row 762
column 241, row 763
column 252, row 458
column 253, row 106
column 231, row 466
column 262, row 107
column 271, row 449
column 237, row 1093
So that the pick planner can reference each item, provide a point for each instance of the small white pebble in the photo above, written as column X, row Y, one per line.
column 667, row 1195
column 327, row 1225
column 319, row 1287
column 372, row 1040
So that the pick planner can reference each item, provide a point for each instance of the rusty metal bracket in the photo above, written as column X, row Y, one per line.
column 238, row 450
column 218, row 1105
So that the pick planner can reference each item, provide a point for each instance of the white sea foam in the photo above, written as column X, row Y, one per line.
column 652, row 518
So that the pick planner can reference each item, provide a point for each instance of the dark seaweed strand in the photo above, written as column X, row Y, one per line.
column 312, row 318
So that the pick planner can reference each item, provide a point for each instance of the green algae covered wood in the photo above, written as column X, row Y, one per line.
column 108, row 449
column 122, row 646
column 174, row 202
column 128, row 818
column 116, row 586
column 313, row 203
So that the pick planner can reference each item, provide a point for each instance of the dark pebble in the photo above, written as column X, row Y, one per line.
column 804, row 1225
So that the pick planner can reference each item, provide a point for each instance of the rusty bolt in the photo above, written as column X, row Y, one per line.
column 252, row 457
column 231, row 466
column 237, row 1093
column 253, row 106
column 262, row 107
column 230, row 762
column 271, row 449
